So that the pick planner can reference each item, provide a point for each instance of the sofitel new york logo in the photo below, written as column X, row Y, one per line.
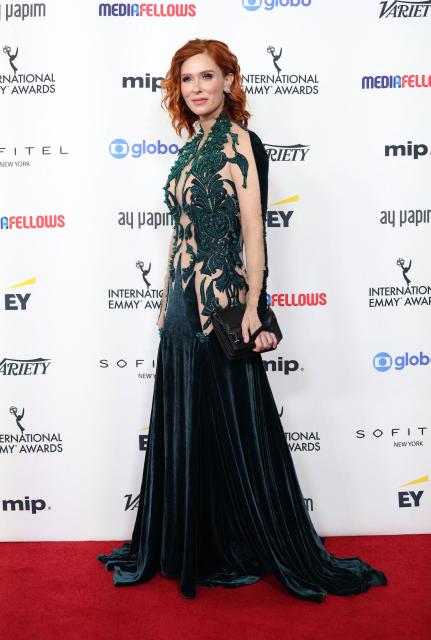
column 25, row 442
column 399, row 437
column 407, row 296
column 404, row 9
column 145, row 298
column 279, row 83
column 24, row 83
column 33, row 367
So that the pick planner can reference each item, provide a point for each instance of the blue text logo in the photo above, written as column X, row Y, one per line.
column 269, row 5
column 120, row 148
column 383, row 361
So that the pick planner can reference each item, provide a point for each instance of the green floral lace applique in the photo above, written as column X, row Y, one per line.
column 213, row 211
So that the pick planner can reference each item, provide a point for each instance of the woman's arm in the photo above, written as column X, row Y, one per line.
column 161, row 319
column 252, row 204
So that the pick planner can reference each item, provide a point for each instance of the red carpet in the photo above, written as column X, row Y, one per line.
column 58, row 590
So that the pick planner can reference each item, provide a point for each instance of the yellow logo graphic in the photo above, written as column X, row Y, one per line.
column 417, row 481
column 23, row 283
column 286, row 201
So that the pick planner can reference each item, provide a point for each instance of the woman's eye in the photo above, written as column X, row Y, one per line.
column 208, row 76
column 185, row 78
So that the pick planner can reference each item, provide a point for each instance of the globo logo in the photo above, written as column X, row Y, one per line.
column 269, row 5
column 120, row 148
column 383, row 361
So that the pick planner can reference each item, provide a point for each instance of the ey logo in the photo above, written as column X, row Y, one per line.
column 18, row 301
column 280, row 218
column 411, row 498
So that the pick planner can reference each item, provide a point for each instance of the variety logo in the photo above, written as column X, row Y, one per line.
column 411, row 498
column 34, row 506
column 406, row 9
column 407, row 296
column 134, row 299
column 32, row 222
column 396, row 82
column 405, row 216
column 147, row 10
column 132, row 502
column 141, row 82
column 16, row 301
column 383, row 361
column 120, row 148
column 33, row 367
column 282, row 366
column 400, row 438
column 411, row 150
column 287, row 153
column 279, row 84
column 269, row 5
column 141, row 219
column 23, row 83
column 22, row 10
column 26, row 442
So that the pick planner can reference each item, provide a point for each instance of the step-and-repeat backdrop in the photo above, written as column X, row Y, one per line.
column 339, row 93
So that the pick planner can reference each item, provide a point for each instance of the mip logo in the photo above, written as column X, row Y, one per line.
column 383, row 361
column 120, row 148
column 411, row 498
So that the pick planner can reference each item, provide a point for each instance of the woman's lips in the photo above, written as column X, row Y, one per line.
column 199, row 100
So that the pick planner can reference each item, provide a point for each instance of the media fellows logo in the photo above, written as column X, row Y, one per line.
column 406, row 9
column 32, row 222
column 384, row 361
column 120, row 148
column 147, row 9
column 410, row 81
column 269, row 5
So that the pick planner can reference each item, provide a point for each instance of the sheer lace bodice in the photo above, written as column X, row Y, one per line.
column 217, row 193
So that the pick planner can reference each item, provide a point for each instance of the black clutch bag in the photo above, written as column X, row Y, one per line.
column 227, row 327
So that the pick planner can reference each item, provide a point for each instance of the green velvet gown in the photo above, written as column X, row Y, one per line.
column 220, row 502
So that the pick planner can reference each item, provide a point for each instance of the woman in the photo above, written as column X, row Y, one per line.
column 220, row 502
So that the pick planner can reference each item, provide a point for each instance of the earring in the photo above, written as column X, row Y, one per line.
column 226, row 90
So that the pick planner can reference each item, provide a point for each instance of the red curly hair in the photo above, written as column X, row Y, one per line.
column 235, row 101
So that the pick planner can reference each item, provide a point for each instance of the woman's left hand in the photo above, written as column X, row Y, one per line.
column 250, row 323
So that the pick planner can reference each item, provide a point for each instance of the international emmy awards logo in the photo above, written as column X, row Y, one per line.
column 401, row 263
column 140, row 265
column 7, row 50
column 275, row 58
column 14, row 411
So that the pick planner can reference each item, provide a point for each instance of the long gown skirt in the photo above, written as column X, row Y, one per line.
column 220, row 502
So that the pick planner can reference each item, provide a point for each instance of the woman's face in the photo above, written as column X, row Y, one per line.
column 202, row 85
